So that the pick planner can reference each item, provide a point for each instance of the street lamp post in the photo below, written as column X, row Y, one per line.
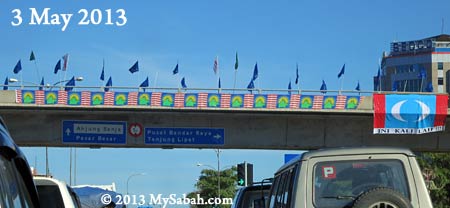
column 79, row 79
column 218, row 170
column 12, row 80
column 132, row 175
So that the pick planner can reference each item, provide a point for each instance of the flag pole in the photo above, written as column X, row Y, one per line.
column 218, row 74
column 103, row 71
column 404, row 86
column 37, row 70
column 234, row 85
column 421, row 85
column 156, row 79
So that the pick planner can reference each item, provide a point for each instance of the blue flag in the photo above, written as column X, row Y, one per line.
column 342, row 71
column 220, row 85
column 102, row 75
column 358, row 88
column 18, row 67
column 144, row 83
column 41, row 87
column 251, row 85
column 255, row 72
column 134, row 68
column 323, row 88
column 377, row 79
column 69, row 84
column 108, row 84
column 175, row 71
column 57, row 67
column 296, row 76
column 422, row 74
column 429, row 87
column 5, row 85
column 289, row 88
column 394, row 86
column 183, row 83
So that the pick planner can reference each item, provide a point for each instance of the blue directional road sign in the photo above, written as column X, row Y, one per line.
column 94, row 132
column 185, row 136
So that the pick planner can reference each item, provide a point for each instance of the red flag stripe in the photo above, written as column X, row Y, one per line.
column 109, row 98
column 225, row 100
column 18, row 96
column 340, row 103
column 294, row 101
column 379, row 111
column 272, row 101
column 132, row 98
column 39, row 97
column 248, row 100
column 85, row 98
column 202, row 100
column 62, row 97
column 318, row 100
column 179, row 100
column 156, row 99
column 441, row 110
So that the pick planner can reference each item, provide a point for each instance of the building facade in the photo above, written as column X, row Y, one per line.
column 416, row 66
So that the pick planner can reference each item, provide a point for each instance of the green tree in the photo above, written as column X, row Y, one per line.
column 436, row 171
column 207, row 185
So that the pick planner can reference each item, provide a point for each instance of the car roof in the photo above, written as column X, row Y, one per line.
column 257, row 187
column 338, row 151
column 42, row 180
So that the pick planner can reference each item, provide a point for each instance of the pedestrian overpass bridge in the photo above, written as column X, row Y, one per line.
column 245, row 121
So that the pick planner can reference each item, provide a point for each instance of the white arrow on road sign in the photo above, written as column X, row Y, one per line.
column 68, row 132
column 217, row 136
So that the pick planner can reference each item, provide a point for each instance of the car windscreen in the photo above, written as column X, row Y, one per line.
column 50, row 196
column 338, row 183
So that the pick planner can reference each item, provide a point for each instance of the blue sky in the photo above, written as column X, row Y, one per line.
column 318, row 35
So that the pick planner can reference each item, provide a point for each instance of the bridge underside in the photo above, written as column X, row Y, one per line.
column 35, row 126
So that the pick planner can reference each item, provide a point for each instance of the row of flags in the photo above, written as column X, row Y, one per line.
column 135, row 68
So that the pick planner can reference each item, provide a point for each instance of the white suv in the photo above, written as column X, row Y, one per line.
column 55, row 194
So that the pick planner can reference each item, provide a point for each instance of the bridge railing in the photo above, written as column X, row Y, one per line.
column 189, row 90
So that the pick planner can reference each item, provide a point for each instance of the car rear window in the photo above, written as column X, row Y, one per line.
column 50, row 196
column 338, row 183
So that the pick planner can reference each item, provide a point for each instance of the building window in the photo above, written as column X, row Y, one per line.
column 440, row 65
column 440, row 81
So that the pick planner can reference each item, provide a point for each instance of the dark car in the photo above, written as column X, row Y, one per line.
column 254, row 196
column 16, row 182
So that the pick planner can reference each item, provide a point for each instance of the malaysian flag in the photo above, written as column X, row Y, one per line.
column 39, row 96
column 86, row 98
column 62, row 97
column 295, row 101
column 156, row 99
column 179, row 100
column 132, row 98
column 272, row 101
column 225, row 100
column 66, row 61
column 18, row 96
column 341, row 100
column 202, row 100
column 109, row 98
column 248, row 100
column 216, row 65
column 318, row 100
